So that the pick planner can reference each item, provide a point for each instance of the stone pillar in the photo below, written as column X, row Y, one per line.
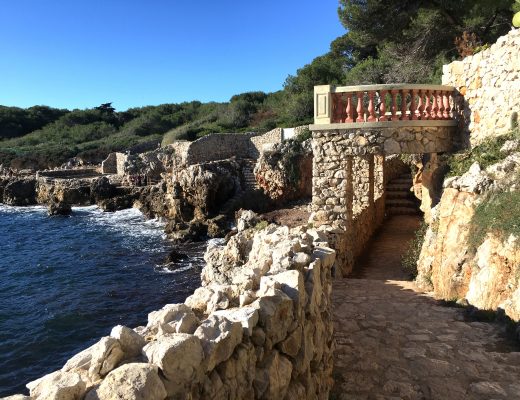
column 332, row 196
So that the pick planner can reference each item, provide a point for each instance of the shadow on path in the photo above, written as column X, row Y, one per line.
column 395, row 342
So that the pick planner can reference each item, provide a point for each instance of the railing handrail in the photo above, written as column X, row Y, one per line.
column 388, row 86
column 372, row 103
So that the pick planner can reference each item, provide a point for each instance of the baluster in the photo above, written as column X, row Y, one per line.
column 413, row 107
column 339, row 105
column 446, row 101
column 440, row 105
column 420, row 106
column 404, row 106
column 382, row 106
column 350, row 109
column 435, row 107
column 393, row 108
column 371, row 108
column 428, row 106
column 360, row 113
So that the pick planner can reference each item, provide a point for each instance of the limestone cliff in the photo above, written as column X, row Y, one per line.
column 456, row 264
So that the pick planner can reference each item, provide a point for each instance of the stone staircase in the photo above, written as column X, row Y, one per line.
column 249, row 184
column 249, row 176
column 399, row 199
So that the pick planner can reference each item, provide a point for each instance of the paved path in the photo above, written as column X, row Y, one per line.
column 394, row 342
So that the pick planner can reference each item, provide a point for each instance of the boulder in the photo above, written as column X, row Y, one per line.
column 219, row 337
column 58, row 208
column 134, row 381
column 58, row 385
column 98, row 360
column 179, row 317
column 246, row 316
column 179, row 356
column 131, row 342
column 275, row 315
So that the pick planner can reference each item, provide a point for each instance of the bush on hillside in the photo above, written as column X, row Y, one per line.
column 486, row 153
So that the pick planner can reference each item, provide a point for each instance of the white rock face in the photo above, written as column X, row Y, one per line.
column 246, row 316
column 98, row 360
column 179, row 317
column 58, row 386
column 131, row 342
column 219, row 337
column 179, row 356
column 134, row 381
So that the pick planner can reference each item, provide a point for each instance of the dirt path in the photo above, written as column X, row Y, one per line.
column 394, row 342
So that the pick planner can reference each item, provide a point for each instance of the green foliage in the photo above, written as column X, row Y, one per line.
column 407, row 41
column 16, row 121
column 261, row 225
column 499, row 213
column 486, row 154
column 304, row 135
column 411, row 256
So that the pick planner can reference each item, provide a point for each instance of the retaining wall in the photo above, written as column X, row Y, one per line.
column 220, row 146
column 489, row 83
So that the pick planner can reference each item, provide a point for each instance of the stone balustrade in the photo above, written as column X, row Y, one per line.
column 384, row 105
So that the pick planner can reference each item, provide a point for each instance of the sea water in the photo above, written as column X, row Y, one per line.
column 66, row 281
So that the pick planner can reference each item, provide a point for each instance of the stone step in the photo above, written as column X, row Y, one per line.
column 402, row 211
column 407, row 181
column 397, row 194
column 398, row 186
column 400, row 203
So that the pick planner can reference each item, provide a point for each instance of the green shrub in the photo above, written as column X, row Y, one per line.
column 411, row 256
column 261, row 225
column 304, row 135
column 486, row 153
column 499, row 213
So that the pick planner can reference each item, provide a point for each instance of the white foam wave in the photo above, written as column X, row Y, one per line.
column 165, row 270
column 22, row 209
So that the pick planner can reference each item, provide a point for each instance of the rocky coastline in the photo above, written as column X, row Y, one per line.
column 259, row 326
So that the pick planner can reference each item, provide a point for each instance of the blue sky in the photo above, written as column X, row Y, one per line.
column 79, row 54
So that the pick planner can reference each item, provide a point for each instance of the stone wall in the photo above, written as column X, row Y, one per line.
column 220, row 146
column 388, row 140
column 269, row 138
column 109, row 164
column 114, row 164
column 489, row 82
column 259, row 328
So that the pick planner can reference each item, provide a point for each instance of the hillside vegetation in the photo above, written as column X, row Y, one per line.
column 409, row 43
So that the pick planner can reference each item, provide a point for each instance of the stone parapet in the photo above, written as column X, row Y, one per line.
column 259, row 328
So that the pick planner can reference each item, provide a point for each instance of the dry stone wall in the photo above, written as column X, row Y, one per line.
column 220, row 146
column 489, row 82
column 259, row 328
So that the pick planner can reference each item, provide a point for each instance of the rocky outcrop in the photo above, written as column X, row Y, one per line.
column 259, row 328
column 284, row 171
column 19, row 191
column 483, row 274
column 197, row 194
